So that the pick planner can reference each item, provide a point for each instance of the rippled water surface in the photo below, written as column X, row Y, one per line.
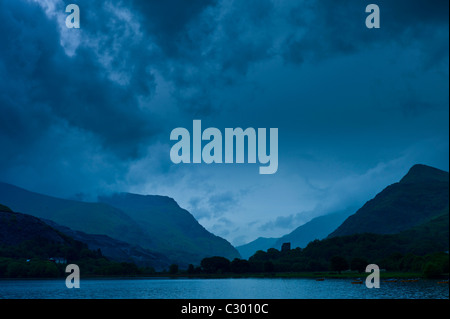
column 246, row 288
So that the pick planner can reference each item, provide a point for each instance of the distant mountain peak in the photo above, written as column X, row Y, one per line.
column 138, row 200
column 424, row 173
column 153, row 222
column 420, row 195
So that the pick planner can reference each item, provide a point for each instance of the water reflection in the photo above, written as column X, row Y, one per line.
column 248, row 288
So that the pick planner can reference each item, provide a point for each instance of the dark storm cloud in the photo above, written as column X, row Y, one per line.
column 22, row 120
column 47, row 85
column 93, row 103
column 204, row 32
column 416, row 12
column 168, row 20
column 329, row 28
column 92, row 109
column 205, row 45
column 199, row 46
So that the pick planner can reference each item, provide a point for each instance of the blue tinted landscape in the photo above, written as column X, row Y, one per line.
column 224, row 149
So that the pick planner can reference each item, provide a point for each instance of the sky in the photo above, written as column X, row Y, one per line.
column 89, row 111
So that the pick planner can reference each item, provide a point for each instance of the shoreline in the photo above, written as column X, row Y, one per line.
column 305, row 275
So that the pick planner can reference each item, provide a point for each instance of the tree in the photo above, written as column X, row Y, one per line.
column 273, row 253
column 431, row 270
column 43, row 268
column 240, row 266
column 358, row 264
column 16, row 269
column 173, row 269
column 338, row 263
column 269, row 267
column 190, row 269
column 215, row 264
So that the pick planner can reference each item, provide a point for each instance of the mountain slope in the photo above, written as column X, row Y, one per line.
column 16, row 228
column 30, row 248
column 175, row 232
column 116, row 250
column 261, row 243
column 409, row 250
column 419, row 196
column 317, row 228
column 155, row 223
column 428, row 237
column 4, row 208
column 94, row 218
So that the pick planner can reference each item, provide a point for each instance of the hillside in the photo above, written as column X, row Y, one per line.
column 29, row 248
column 404, row 228
column 93, row 218
column 175, row 232
column 419, row 196
column 16, row 228
column 155, row 223
column 4, row 208
column 317, row 228
column 409, row 250
column 429, row 237
column 261, row 243
column 116, row 250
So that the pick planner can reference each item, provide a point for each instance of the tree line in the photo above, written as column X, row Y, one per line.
column 405, row 252
column 274, row 261
column 32, row 259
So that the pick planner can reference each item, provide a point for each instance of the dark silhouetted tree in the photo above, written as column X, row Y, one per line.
column 173, row 269
column 269, row 267
column 358, row 264
column 338, row 263
column 215, row 264
column 190, row 269
column 240, row 266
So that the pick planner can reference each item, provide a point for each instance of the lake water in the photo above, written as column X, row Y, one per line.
column 229, row 288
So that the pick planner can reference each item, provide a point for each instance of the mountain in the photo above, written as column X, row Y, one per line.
column 116, row 250
column 16, row 228
column 155, row 223
column 422, row 194
column 93, row 218
column 175, row 232
column 317, row 228
column 429, row 237
column 261, row 243
column 422, row 248
column 30, row 248
column 4, row 208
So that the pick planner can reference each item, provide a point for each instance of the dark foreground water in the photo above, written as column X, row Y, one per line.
column 247, row 288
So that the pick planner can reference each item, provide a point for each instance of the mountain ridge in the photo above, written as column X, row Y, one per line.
column 16, row 228
column 260, row 243
column 317, row 228
column 101, row 218
column 114, row 249
column 416, row 198
column 162, row 216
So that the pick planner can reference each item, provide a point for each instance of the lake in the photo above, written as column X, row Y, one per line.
column 229, row 288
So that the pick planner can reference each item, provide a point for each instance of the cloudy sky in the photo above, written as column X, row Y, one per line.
column 89, row 111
